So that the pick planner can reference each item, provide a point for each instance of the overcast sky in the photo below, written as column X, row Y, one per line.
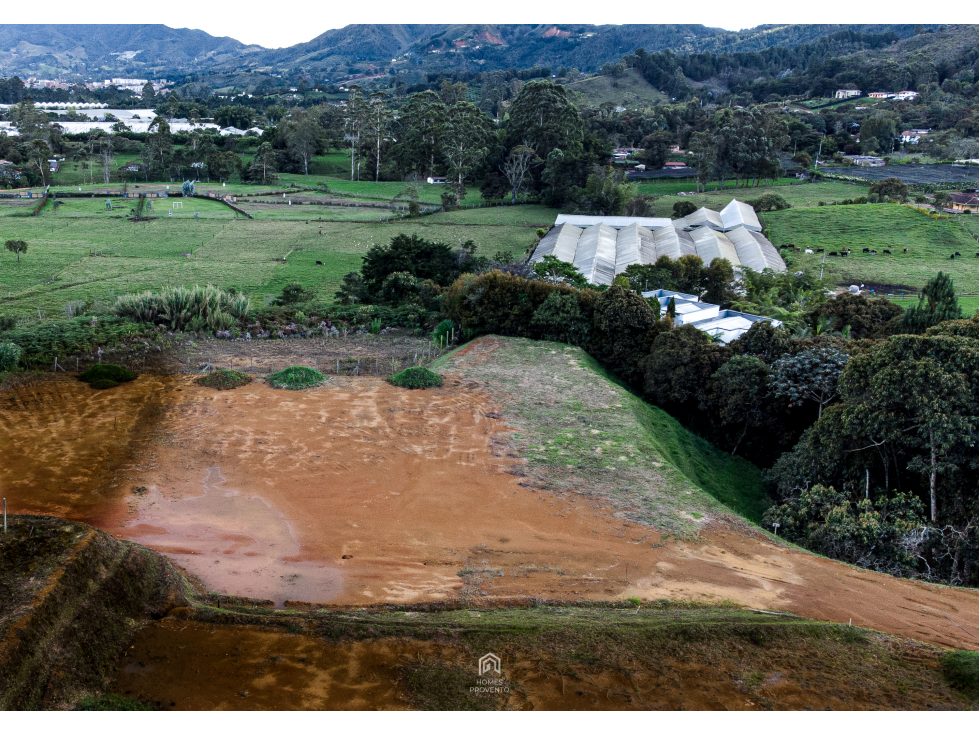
column 280, row 35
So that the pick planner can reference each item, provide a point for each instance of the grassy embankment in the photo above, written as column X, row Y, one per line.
column 581, row 430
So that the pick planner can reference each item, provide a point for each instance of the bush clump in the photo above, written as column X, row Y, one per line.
column 224, row 379
column 10, row 355
column 104, row 376
column 296, row 378
column 961, row 669
column 415, row 378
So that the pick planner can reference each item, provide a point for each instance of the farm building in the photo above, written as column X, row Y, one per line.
column 603, row 247
column 965, row 202
column 708, row 317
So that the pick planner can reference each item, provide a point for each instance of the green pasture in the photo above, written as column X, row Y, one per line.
column 877, row 226
column 81, row 252
column 800, row 195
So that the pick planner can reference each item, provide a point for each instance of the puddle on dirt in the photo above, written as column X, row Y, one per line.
column 236, row 544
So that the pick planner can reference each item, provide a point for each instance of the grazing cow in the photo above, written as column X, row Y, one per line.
column 821, row 249
column 905, row 250
column 834, row 253
column 783, row 247
column 873, row 252
column 951, row 257
column 977, row 254
column 809, row 251
column 958, row 254
column 318, row 262
column 866, row 249
column 887, row 252
column 844, row 253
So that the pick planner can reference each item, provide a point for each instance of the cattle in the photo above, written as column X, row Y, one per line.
column 958, row 254
column 887, row 252
column 809, row 251
column 905, row 250
column 866, row 249
column 844, row 253
column 951, row 257
column 834, row 253
column 977, row 254
column 873, row 252
column 821, row 249
column 783, row 247
column 318, row 262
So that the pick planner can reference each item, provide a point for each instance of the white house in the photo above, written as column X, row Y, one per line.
column 846, row 93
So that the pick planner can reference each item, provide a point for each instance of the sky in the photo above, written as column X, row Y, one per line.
column 280, row 35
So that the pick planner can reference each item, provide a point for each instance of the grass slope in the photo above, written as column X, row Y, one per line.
column 878, row 226
column 581, row 430
column 630, row 90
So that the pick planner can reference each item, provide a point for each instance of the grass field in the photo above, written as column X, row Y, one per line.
column 800, row 195
column 630, row 90
column 878, row 226
column 79, row 251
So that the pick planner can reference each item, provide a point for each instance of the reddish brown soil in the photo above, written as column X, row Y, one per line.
column 263, row 492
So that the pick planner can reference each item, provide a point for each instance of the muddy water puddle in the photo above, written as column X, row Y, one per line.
column 235, row 544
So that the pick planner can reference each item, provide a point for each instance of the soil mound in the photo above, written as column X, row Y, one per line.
column 296, row 378
column 415, row 378
column 224, row 379
column 71, row 598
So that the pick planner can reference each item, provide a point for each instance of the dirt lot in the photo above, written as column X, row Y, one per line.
column 358, row 492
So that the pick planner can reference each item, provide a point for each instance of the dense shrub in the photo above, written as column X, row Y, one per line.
column 415, row 378
column 961, row 670
column 224, row 379
column 296, row 378
column 865, row 316
column 45, row 341
column 181, row 307
column 770, row 203
column 10, row 355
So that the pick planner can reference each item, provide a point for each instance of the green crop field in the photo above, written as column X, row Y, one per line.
column 878, row 226
column 79, row 251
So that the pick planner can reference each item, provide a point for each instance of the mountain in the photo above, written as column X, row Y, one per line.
column 97, row 51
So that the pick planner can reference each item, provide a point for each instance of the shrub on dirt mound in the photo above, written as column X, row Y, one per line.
column 296, row 378
column 415, row 378
column 961, row 669
column 104, row 376
column 224, row 379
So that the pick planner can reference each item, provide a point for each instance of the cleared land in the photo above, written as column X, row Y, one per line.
column 929, row 241
column 629, row 90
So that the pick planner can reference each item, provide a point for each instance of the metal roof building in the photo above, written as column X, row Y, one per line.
column 708, row 317
column 603, row 247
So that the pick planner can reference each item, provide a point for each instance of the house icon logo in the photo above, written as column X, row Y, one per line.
column 489, row 663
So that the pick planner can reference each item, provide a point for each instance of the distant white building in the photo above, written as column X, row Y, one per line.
column 905, row 95
column 847, row 93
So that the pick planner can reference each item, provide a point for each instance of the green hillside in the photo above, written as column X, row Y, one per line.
column 629, row 90
column 580, row 430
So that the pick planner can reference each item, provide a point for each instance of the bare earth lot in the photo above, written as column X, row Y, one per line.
column 357, row 493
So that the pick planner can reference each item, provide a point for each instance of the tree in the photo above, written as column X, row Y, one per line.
column 623, row 330
column 262, row 167
column 544, row 117
column 39, row 151
column 605, row 192
column 515, row 167
column 656, row 148
column 919, row 392
column 274, row 113
column 237, row 116
column 937, row 303
column 377, row 121
column 682, row 209
column 158, row 150
column 640, row 205
column 739, row 393
column 106, row 145
column 302, row 134
column 149, row 94
column 409, row 254
column 16, row 246
column 465, row 141
column 224, row 164
column 810, row 375
column 866, row 317
column 893, row 188
column 419, row 133
column 354, row 119
column 553, row 270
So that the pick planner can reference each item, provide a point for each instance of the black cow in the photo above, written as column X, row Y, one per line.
column 905, row 250
column 958, row 254
column 951, row 257
column 821, row 249
column 318, row 262
column 887, row 252
column 834, row 253
column 866, row 249
column 873, row 252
